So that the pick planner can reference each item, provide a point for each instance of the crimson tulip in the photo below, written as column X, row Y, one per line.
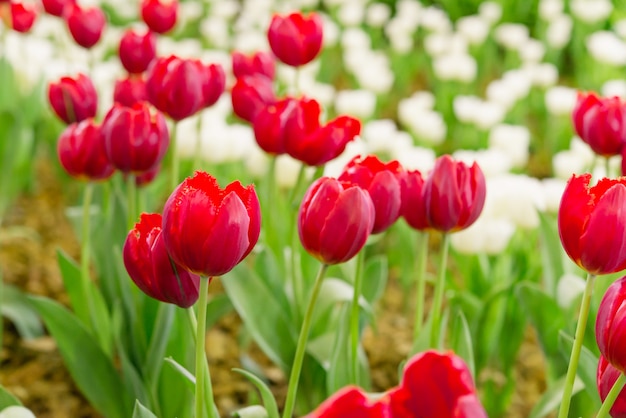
column 73, row 99
column 130, row 90
column 592, row 223
column 269, row 126
column 351, row 402
column 435, row 385
column 610, row 325
column 85, row 24
column 19, row 16
column 82, row 152
column 382, row 182
column 335, row 220
column 56, row 7
column 136, row 137
column 295, row 39
column 454, row 194
column 149, row 265
column 605, row 378
column 213, row 83
column 207, row 229
column 601, row 123
column 145, row 178
column 250, row 95
column 258, row 63
column 159, row 15
column 413, row 208
column 137, row 50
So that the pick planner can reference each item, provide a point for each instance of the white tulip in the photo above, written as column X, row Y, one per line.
column 542, row 74
column 569, row 288
column 513, row 141
column 474, row 29
column 435, row 20
column 560, row 100
column 379, row 135
column 215, row 30
column 591, row 11
column 614, row 88
column 531, row 51
column 607, row 48
column 455, row 66
column 414, row 158
column 377, row 15
column 550, row 9
column 492, row 162
column 552, row 192
column 511, row 35
column 516, row 197
column 355, row 38
column 559, row 31
column 359, row 103
column 351, row 13
column 16, row 412
column 335, row 167
column 487, row 235
column 490, row 11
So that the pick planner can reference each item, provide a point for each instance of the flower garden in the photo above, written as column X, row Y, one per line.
column 370, row 208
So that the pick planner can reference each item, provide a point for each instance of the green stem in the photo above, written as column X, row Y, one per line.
column 85, row 252
column 420, row 269
column 131, row 190
column 440, row 287
column 296, row 188
column 354, row 317
column 578, row 343
column 197, row 158
column 175, row 161
column 296, row 368
column 296, row 280
column 204, row 390
column 612, row 396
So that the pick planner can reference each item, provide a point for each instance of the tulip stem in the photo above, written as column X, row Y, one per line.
column 85, row 252
column 612, row 396
column 131, row 190
column 439, row 291
column 576, row 348
column 204, row 390
column 175, row 161
column 354, row 317
column 297, row 186
column 420, row 269
column 296, row 367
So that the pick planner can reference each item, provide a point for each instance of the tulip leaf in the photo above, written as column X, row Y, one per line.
column 15, row 306
column 266, row 394
column 217, row 306
column 551, row 399
column 89, row 366
column 188, row 377
column 375, row 277
column 551, row 253
column 587, row 367
column 141, row 411
column 7, row 399
column 461, row 341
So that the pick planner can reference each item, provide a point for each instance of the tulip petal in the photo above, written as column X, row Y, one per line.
column 576, row 204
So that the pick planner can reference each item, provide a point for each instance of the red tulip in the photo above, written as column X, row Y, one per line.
column 606, row 377
column 382, row 182
column 335, row 220
column 435, row 385
column 145, row 178
column 151, row 268
column 259, row 63
column 85, row 24
column 413, row 204
column 19, row 16
column 454, row 194
column 250, row 95
column 351, row 402
column 82, row 153
column 601, row 123
column 269, row 126
column 136, row 137
column 207, row 229
column 213, row 84
column 130, row 90
column 610, row 324
column 159, row 15
column 73, row 99
column 312, row 143
column 137, row 50
column 592, row 223
column 295, row 39
column 56, row 7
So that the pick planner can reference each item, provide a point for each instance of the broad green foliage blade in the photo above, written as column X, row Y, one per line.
column 15, row 306
column 9, row 90
column 91, row 369
column 7, row 399
column 461, row 341
column 551, row 252
column 187, row 376
column 141, row 411
column 375, row 277
column 587, row 367
column 269, row 402
column 551, row 399
column 218, row 306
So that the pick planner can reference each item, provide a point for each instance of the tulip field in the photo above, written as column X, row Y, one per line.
column 312, row 208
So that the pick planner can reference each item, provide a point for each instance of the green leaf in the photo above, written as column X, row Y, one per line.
column 15, row 306
column 551, row 252
column 10, row 86
column 217, row 307
column 551, row 399
column 461, row 341
column 89, row 366
column 7, row 399
column 587, row 367
column 141, row 411
column 375, row 277
column 187, row 376
column 266, row 394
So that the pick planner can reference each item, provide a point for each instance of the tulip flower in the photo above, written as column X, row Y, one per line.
column 601, row 123
column 19, row 16
column 207, row 229
column 56, row 7
column 435, row 385
column 159, row 15
column 82, row 152
column 413, row 204
column 335, row 220
column 136, row 50
column 295, row 39
column 269, row 126
column 259, row 63
column 610, row 325
column 73, row 99
column 606, row 377
column 130, row 90
column 150, row 267
column 382, row 182
column 592, row 223
column 454, row 194
column 85, row 24
column 351, row 402
column 250, row 95
column 136, row 137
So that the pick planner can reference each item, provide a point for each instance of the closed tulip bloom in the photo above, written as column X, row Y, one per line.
column 351, row 402
column 250, row 95
column 335, row 220
column 73, row 99
column 592, row 223
column 130, row 90
column 601, row 123
column 269, row 126
column 213, row 84
column 207, row 229
column 454, row 194
column 258, row 63
column 137, row 50
column 611, row 324
column 19, row 16
column 56, row 7
column 82, row 153
column 151, row 268
column 413, row 208
column 295, row 39
column 435, row 385
column 382, row 182
column 606, row 377
column 145, row 178
column 136, row 137
column 85, row 24
column 159, row 15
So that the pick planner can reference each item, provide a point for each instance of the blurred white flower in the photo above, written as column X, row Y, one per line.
column 591, row 11
column 425, row 124
column 560, row 100
column 250, row 40
column 487, row 235
column 474, row 29
column 16, row 412
column 378, row 135
column 331, row 31
column 620, row 28
column 516, row 197
column 559, row 31
column 511, row 35
column 377, row 15
column 287, row 169
column 215, row 30
column 474, row 110
column 493, row 162
column 322, row 92
column 188, row 137
column 607, row 48
column 351, row 13
column 614, row 88
column 567, row 162
column 419, row 100
column 224, row 9
column 400, row 38
column 552, row 192
column 371, row 69
column 189, row 11
column 550, row 9
column 513, row 86
column 435, row 19
column 335, row 167
column 490, row 11
column 490, row 114
column 412, row 157
column 531, row 51
column 355, row 38
column 359, row 103
column 542, row 74
column 465, row 107
column 455, row 66
column 569, row 288
column 257, row 162
column 184, row 48
column 513, row 141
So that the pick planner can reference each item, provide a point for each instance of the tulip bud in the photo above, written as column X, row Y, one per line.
column 159, row 15
column 130, row 90
column 259, row 63
column 413, row 207
column 85, row 24
column 20, row 16
column 610, row 325
column 295, row 39
column 56, row 7
column 269, row 126
column 606, row 377
column 250, row 95
column 82, row 152
column 601, row 123
column 137, row 51
column 350, row 402
column 73, row 99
